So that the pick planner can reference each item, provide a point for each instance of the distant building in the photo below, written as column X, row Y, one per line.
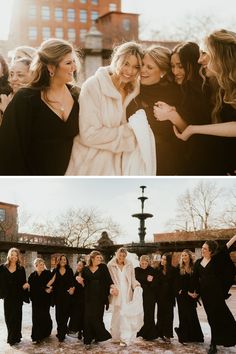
column 8, row 221
column 34, row 21
column 193, row 240
column 9, row 229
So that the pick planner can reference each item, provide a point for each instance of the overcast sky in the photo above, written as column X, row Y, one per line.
column 156, row 14
column 114, row 197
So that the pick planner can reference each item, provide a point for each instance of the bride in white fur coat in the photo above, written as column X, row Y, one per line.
column 107, row 144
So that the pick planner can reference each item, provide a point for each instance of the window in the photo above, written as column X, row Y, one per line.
column 59, row 32
column 2, row 215
column 58, row 14
column 126, row 24
column 71, row 0
column 46, row 33
column 83, row 16
column 83, row 1
column 94, row 15
column 45, row 11
column 32, row 33
column 82, row 35
column 32, row 12
column 94, row 2
column 71, row 15
column 71, row 34
column 112, row 7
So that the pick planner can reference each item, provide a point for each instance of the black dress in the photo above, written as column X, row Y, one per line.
column 76, row 323
column 148, row 331
column 13, row 295
column 196, row 110
column 213, row 285
column 225, row 157
column 97, row 287
column 169, row 149
column 165, row 287
column 33, row 139
column 62, row 300
column 41, row 301
column 189, row 327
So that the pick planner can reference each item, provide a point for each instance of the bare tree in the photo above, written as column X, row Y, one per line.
column 197, row 208
column 228, row 217
column 191, row 28
column 80, row 227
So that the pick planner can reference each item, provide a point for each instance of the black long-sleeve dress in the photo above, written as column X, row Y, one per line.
column 63, row 300
column 169, row 149
column 76, row 323
column 41, row 302
column 33, row 138
column 213, row 282
column 165, row 288
column 148, row 331
column 97, row 287
column 13, row 295
column 196, row 109
column 189, row 327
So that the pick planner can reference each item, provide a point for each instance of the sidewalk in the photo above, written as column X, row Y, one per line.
column 73, row 346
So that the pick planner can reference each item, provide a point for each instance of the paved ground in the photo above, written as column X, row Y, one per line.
column 73, row 346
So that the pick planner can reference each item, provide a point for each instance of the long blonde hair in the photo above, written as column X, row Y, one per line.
column 161, row 57
column 119, row 56
column 92, row 255
column 51, row 51
column 222, row 52
column 18, row 262
column 182, row 265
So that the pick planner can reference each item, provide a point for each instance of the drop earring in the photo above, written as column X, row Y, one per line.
column 51, row 73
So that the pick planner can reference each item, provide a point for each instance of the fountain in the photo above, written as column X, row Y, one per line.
column 142, row 217
column 141, row 247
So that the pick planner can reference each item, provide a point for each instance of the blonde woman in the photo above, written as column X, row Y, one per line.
column 39, row 124
column 157, row 85
column 123, row 277
column 41, row 301
column 105, row 135
column 189, row 329
column 145, row 274
column 97, row 281
column 14, row 292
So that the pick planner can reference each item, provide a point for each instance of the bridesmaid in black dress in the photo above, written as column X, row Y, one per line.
column 76, row 323
column 189, row 329
column 165, row 281
column 97, row 281
column 40, row 122
column 14, row 292
column 145, row 276
column 63, row 288
column 215, row 274
column 41, row 301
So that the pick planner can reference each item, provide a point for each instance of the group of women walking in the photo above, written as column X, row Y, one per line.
column 122, row 123
column 81, row 298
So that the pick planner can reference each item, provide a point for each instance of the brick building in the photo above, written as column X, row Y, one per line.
column 36, row 20
column 8, row 221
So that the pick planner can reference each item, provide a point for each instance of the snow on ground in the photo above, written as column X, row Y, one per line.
column 74, row 346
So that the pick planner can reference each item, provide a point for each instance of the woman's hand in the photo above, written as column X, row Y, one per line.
column 5, row 100
column 26, row 286
column 113, row 290
column 71, row 291
column 162, row 111
column 80, row 280
column 186, row 134
column 193, row 295
column 49, row 289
